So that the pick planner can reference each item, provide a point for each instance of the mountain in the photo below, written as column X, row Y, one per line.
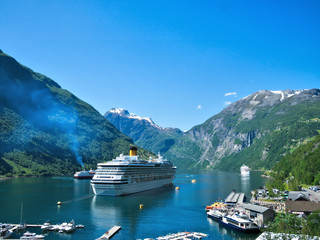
column 143, row 131
column 302, row 165
column 257, row 130
column 46, row 130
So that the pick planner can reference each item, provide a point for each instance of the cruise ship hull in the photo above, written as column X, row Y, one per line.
column 105, row 189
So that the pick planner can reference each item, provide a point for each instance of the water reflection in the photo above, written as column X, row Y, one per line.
column 245, row 184
column 125, row 210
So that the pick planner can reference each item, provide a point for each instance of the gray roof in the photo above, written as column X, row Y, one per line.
column 241, row 198
column 255, row 208
column 229, row 198
column 298, row 195
column 235, row 198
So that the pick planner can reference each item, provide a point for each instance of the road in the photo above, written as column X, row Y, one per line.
column 314, row 196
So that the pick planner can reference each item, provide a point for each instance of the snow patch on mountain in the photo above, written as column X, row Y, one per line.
column 124, row 113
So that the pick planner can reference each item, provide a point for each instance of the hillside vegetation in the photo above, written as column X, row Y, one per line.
column 302, row 166
column 258, row 130
column 46, row 130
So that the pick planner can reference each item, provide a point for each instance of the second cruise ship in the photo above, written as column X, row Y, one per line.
column 129, row 174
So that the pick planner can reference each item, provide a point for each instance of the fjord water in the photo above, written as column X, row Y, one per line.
column 165, row 210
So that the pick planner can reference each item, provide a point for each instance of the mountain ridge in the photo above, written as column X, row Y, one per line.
column 143, row 130
column 249, row 127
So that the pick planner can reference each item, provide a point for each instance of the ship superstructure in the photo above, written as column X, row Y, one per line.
column 129, row 174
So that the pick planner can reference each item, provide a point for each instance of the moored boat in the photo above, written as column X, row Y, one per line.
column 240, row 223
column 5, row 231
column 46, row 226
column 84, row 174
column 29, row 235
column 71, row 226
column 216, row 214
column 184, row 236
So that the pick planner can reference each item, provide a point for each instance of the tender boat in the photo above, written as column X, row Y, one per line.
column 216, row 214
column 129, row 174
column 84, row 174
column 240, row 223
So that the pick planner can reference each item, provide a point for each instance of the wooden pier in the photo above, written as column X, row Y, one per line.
column 109, row 234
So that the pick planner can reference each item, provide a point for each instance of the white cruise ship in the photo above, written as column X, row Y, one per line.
column 245, row 170
column 129, row 174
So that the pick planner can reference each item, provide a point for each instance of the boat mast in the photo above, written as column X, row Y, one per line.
column 21, row 212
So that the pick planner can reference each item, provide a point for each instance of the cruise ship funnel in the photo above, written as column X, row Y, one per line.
column 133, row 151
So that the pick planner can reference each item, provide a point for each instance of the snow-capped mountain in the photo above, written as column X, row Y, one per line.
column 143, row 130
column 124, row 113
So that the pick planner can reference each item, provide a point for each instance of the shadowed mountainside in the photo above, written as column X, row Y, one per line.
column 46, row 130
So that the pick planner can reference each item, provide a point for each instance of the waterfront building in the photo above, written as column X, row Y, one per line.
column 302, row 207
column 259, row 214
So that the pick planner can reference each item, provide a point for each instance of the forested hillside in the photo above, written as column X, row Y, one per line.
column 46, row 130
column 302, row 166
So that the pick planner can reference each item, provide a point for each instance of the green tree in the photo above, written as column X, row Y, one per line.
column 286, row 223
column 312, row 226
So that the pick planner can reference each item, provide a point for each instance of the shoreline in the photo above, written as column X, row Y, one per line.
column 3, row 178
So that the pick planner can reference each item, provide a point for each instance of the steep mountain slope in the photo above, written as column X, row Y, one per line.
column 46, row 130
column 144, row 131
column 257, row 130
column 302, row 165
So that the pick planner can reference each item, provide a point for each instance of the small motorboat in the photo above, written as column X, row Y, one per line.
column 62, row 226
column 71, row 226
column 46, row 226
column 29, row 235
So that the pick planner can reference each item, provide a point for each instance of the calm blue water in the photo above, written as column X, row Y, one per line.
column 166, row 210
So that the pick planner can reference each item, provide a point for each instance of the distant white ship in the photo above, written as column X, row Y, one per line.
column 129, row 174
column 84, row 174
column 245, row 170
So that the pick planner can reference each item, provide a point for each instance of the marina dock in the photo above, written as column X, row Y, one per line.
column 109, row 234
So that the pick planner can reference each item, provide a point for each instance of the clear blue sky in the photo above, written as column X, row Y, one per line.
column 173, row 61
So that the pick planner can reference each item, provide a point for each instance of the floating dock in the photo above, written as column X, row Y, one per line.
column 109, row 234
